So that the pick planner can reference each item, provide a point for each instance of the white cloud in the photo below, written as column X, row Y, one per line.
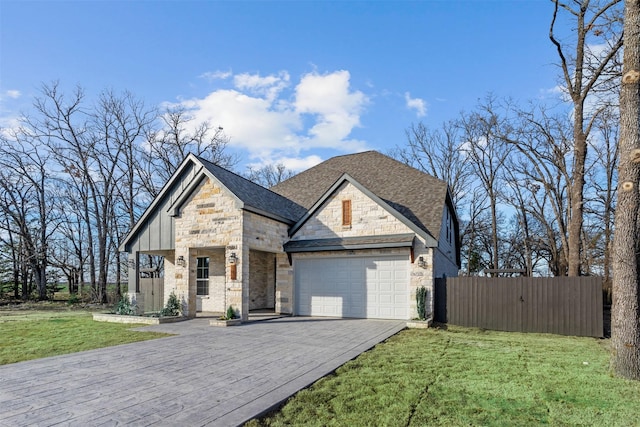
column 276, row 122
column 8, row 126
column 216, row 75
column 9, row 118
column 269, row 86
column 295, row 164
column 300, row 164
column 336, row 109
column 416, row 104
column 14, row 94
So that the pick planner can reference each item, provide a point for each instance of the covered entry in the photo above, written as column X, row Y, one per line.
column 374, row 287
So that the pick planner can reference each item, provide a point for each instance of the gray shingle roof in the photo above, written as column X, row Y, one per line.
column 254, row 195
column 419, row 197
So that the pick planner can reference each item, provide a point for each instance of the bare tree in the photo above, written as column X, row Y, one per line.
column 269, row 175
column 439, row 153
column 473, row 232
column 484, row 132
column 601, row 202
column 543, row 145
column 625, row 312
column 25, row 201
column 585, row 70
column 179, row 136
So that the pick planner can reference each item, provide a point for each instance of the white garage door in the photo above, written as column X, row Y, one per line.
column 366, row 287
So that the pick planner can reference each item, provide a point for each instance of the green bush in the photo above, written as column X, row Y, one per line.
column 421, row 299
column 124, row 306
column 73, row 299
column 231, row 314
column 173, row 306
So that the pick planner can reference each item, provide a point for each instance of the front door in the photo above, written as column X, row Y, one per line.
column 202, row 281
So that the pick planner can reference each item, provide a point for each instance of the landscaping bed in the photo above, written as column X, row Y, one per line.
column 146, row 320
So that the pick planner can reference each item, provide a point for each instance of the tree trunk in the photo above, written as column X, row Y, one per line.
column 577, row 197
column 625, row 312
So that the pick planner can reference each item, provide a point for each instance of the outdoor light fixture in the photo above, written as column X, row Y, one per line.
column 233, row 259
column 421, row 262
column 181, row 262
column 132, row 263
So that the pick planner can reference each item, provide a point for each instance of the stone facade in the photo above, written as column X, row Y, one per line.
column 209, row 224
column 261, row 280
column 212, row 224
column 367, row 218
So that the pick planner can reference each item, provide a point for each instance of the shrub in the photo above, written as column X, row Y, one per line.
column 73, row 299
column 421, row 298
column 231, row 314
column 124, row 306
column 173, row 306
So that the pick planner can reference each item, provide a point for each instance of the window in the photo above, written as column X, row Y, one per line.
column 202, row 276
column 346, row 212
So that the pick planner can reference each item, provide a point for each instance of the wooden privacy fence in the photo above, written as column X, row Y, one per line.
column 152, row 290
column 556, row 305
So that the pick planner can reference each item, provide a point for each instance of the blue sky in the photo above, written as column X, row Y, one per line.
column 291, row 81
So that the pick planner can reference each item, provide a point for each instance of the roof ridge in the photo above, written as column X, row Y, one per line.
column 244, row 178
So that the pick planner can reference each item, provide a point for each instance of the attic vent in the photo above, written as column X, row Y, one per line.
column 346, row 212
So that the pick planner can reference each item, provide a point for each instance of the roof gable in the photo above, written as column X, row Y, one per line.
column 193, row 169
column 417, row 196
column 430, row 240
column 172, row 190
column 255, row 197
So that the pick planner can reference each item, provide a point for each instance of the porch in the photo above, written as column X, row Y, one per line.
column 209, row 280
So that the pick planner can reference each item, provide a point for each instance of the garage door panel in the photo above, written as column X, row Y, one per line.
column 372, row 287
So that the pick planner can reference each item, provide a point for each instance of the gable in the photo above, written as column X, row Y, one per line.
column 369, row 216
column 254, row 197
column 414, row 195
column 155, row 230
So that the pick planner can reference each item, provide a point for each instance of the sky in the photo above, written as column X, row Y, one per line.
column 292, row 82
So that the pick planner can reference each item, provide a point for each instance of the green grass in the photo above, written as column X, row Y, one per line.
column 32, row 334
column 461, row 377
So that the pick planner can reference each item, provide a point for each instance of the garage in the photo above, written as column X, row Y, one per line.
column 374, row 287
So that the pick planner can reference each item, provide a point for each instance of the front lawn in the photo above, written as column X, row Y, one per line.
column 463, row 376
column 32, row 334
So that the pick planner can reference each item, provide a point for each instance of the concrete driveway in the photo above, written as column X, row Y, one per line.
column 203, row 376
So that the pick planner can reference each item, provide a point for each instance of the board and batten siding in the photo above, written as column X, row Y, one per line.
column 157, row 232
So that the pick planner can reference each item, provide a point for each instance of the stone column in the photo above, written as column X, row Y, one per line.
column 235, row 278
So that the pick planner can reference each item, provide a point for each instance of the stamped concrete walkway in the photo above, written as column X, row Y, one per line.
column 203, row 376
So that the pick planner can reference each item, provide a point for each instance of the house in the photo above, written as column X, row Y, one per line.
column 354, row 236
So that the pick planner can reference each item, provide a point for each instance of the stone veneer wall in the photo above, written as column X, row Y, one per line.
column 367, row 218
column 266, row 235
column 261, row 280
column 210, row 218
column 284, row 284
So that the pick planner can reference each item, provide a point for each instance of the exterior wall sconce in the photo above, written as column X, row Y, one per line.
column 181, row 262
column 233, row 268
column 421, row 262
column 132, row 263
